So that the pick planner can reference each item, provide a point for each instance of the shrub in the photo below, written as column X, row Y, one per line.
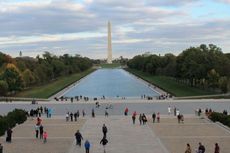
column 220, row 117
column 17, row 116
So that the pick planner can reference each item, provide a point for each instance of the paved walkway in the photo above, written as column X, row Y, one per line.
column 165, row 137
column 123, row 136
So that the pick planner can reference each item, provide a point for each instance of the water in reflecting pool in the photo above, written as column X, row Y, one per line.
column 111, row 83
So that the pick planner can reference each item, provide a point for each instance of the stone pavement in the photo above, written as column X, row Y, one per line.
column 194, row 130
column 165, row 137
column 123, row 136
column 60, row 137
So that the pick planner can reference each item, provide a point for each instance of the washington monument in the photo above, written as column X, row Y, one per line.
column 109, row 58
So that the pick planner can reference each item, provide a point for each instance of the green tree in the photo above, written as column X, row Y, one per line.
column 13, row 77
column 3, row 88
column 28, row 77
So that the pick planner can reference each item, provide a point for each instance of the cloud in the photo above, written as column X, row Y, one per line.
column 79, row 26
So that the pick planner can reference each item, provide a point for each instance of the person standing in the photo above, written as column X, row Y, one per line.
column 174, row 111
column 71, row 117
column 104, row 141
column 104, row 130
column 45, row 136
column 217, row 148
column 78, row 137
column 9, row 135
column 36, row 130
column 144, row 119
column 83, row 113
column 126, row 111
column 93, row 113
column 154, row 117
column 134, row 117
column 140, row 119
column 67, row 117
column 158, row 117
column 188, row 149
column 41, row 131
column 75, row 116
column 87, row 146
column 169, row 110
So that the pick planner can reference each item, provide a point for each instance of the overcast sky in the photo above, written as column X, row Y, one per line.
column 138, row 26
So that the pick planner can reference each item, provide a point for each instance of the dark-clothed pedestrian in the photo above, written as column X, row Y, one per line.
column 104, row 130
column 41, row 131
column 93, row 113
column 144, row 119
column 87, row 146
column 9, row 135
column 75, row 116
column 71, row 117
column 78, row 137
column 201, row 148
column 154, row 117
column 217, row 148
column 104, row 141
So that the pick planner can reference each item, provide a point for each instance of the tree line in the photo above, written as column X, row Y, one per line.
column 205, row 67
column 24, row 72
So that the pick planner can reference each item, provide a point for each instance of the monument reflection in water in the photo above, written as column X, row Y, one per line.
column 111, row 83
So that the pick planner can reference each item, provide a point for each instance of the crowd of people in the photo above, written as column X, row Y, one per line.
column 39, row 111
column 40, row 133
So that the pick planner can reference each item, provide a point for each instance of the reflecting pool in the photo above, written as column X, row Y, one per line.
column 111, row 83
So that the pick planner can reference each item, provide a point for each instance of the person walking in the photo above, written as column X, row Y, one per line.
column 78, row 137
column 45, row 136
column 188, row 149
column 87, row 146
column 41, row 131
column 104, row 141
column 217, row 148
column 104, row 130
column 201, row 148
column 9, row 135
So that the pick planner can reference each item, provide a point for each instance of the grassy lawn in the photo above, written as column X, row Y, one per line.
column 170, row 85
column 113, row 65
column 45, row 91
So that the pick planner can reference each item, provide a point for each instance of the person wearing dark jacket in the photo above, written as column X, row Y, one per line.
column 217, row 148
column 78, row 137
column 9, row 135
column 104, row 130
column 201, row 148
column 104, row 141
column 41, row 131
